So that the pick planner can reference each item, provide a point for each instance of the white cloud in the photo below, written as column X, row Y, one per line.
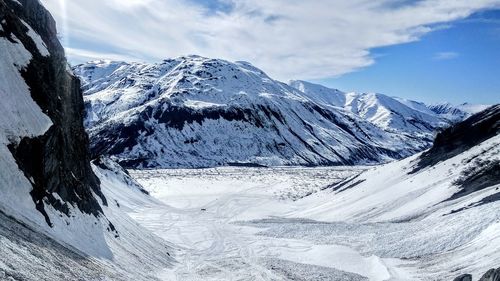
column 286, row 38
column 446, row 55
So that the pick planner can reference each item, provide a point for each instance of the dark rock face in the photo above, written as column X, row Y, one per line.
column 463, row 277
column 483, row 175
column 491, row 275
column 59, row 161
column 462, row 136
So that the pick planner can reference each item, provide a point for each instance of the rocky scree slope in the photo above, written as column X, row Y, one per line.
column 198, row 112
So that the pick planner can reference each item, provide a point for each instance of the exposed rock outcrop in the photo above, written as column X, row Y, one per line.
column 462, row 136
column 491, row 275
column 463, row 277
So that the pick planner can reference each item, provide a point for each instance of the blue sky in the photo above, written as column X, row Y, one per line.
column 426, row 50
column 459, row 63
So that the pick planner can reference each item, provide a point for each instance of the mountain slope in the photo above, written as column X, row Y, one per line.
column 55, row 222
column 320, row 94
column 442, row 216
column 456, row 113
column 463, row 136
column 419, row 185
column 196, row 112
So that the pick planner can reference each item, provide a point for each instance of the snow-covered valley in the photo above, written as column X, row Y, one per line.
column 281, row 223
column 209, row 214
column 235, row 224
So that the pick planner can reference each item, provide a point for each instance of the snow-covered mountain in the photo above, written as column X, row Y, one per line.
column 456, row 112
column 392, row 114
column 320, row 93
column 196, row 112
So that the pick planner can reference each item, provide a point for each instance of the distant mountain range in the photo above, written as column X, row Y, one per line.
column 199, row 112
column 390, row 113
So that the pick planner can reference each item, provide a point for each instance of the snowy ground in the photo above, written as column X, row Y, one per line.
column 207, row 207
column 246, row 224
column 205, row 220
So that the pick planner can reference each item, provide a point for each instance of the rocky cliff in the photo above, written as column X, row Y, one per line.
column 54, row 158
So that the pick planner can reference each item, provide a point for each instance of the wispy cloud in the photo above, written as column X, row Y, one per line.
column 446, row 55
column 86, row 55
column 286, row 38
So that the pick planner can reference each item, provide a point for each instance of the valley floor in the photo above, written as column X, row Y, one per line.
column 246, row 224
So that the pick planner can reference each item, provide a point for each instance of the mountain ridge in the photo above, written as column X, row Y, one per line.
column 201, row 112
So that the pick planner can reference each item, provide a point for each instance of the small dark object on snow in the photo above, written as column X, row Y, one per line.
column 203, row 209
